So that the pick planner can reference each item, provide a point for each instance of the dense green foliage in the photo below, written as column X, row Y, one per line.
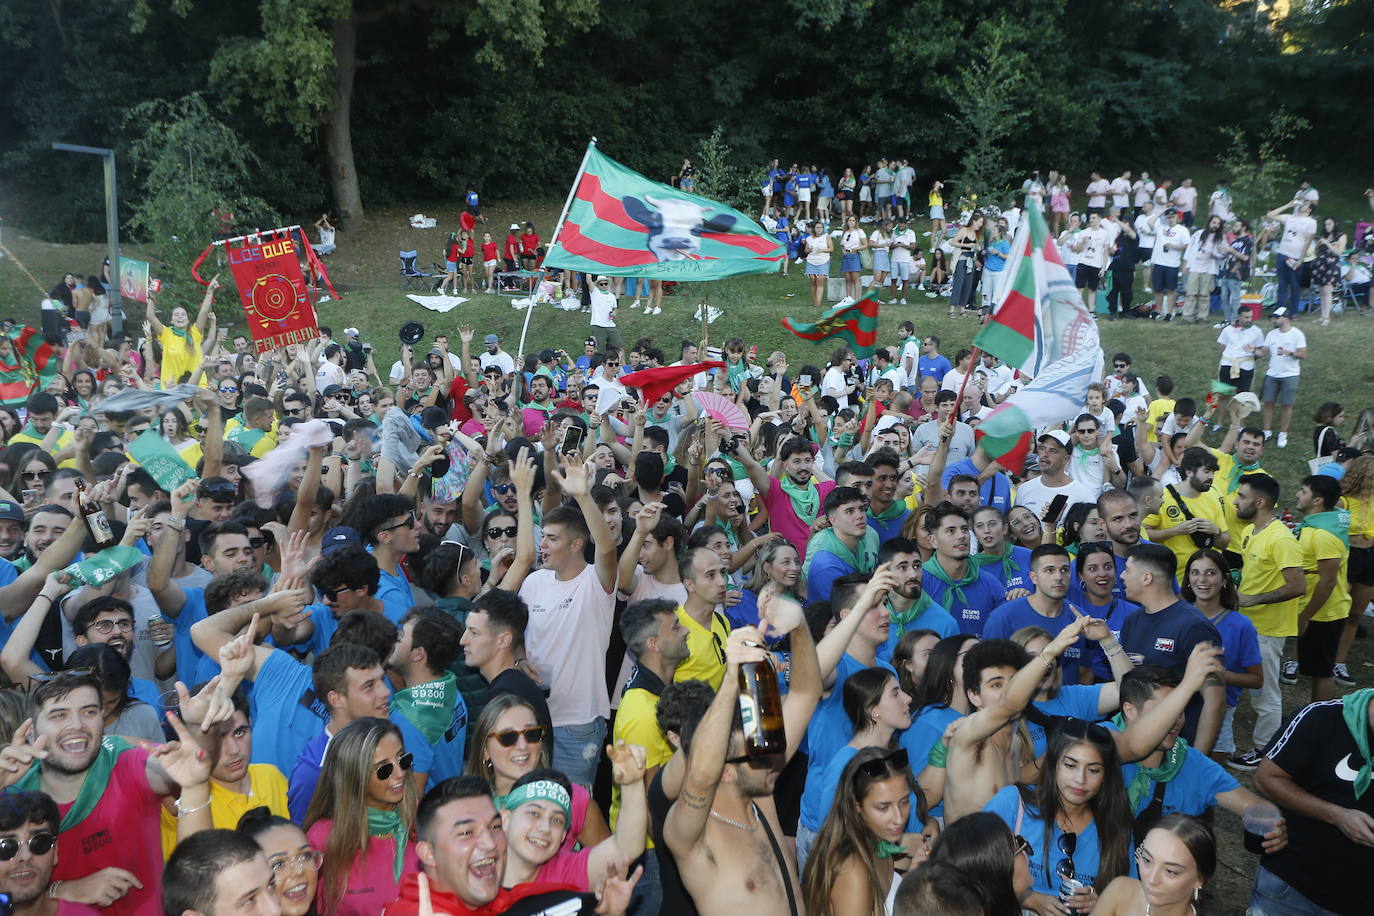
column 422, row 97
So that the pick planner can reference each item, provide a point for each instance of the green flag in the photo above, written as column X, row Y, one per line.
column 156, row 456
column 99, row 568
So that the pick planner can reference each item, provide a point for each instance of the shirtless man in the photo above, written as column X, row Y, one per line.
column 723, row 829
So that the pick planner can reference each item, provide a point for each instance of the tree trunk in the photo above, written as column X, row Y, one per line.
column 343, row 176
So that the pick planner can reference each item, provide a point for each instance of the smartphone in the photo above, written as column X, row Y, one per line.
column 155, row 285
column 1056, row 507
column 804, row 381
column 31, row 495
column 572, row 440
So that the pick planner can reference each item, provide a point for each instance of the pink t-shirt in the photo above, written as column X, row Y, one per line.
column 566, row 868
column 569, row 632
column 122, row 831
column 581, row 798
column 371, row 882
column 783, row 519
column 66, row 908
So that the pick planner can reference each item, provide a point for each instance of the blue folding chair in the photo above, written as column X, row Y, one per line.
column 411, row 275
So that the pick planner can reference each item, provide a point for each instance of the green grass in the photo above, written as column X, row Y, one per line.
column 365, row 269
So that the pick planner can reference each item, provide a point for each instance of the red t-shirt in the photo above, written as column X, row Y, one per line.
column 512, row 247
column 529, row 243
column 467, row 248
column 124, row 831
column 453, row 251
column 488, row 251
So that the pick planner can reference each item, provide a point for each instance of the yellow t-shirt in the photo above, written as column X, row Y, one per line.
column 266, row 786
column 706, row 650
column 1206, row 505
column 1159, row 409
column 177, row 358
column 255, row 442
column 936, row 199
column 636, row 722
column 1316, row 545
column 1221, row 485
column 64, row 439
column 1267, row 553
column 1361, row 516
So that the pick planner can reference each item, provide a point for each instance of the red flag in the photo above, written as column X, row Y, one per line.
column 654, row 383
column 270, row 284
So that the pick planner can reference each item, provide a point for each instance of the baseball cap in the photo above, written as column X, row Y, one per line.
column 1058, row 435
column 1281, row 312
column 514, row 226
column 350, row 332
column 336, row 538
column 331, row 390
column 491, row 339
column 217, row 489
column 887, row 421
column 547, row 356
column 11, row 511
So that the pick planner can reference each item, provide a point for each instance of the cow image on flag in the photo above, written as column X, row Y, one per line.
column 675, row 226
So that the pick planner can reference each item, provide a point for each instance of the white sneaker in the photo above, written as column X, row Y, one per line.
column 847, row 300
column 903, row 300
column 635, row 304
column 658, row 310
column 1268, row 434
column 1283, row 440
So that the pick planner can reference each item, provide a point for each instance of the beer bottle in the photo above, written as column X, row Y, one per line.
column 99, row 525
column 760, row 706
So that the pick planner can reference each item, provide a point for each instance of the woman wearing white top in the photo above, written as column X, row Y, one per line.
column 880, row 243
column 1298, row 229
column 852, row 243
column 818, row 250
column 1201, row 258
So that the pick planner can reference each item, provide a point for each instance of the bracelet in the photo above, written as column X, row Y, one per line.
column 181, row 810
column 49, row 597
column 1049, row 662
column 176, row 523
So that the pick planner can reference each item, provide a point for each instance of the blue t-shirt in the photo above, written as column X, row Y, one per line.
column 888, row 528
column 745, row 613
column 1167, row 638
column 830, row 781
column 1019, row 577
column 1193, row 791
column 826, row 567
column 472, row 198
column 805, row 181
column 997, row 256
column 981, row 596
column 995, row 491
column 1073, row 701
column 1114, row 614
column 284, row 710
column 1007, row 803
column 1011, row 616
column 828, row 731
column 933, row 367
column 395, row 594
column 932, row 618
column 188, row 656
column 7, row 575
column 1240, row 647
column 927, row 728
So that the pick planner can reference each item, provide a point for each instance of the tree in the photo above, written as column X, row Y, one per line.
column 718, row 175
column 985, row 93
column 1258, row 176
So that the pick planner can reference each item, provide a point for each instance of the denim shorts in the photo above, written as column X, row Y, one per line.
column 1272, row 896
column 901, row 270
column 817, row 270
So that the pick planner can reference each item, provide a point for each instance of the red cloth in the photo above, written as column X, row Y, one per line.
column 655, row 383
column 457, row 409
column 407, row 903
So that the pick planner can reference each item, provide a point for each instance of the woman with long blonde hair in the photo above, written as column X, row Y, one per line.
column 361, row 818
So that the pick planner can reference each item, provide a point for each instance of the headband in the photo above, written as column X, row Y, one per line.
column 540, row 790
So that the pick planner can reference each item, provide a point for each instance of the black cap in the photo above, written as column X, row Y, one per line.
column 412, row 332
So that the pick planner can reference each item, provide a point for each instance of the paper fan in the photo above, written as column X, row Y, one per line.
column 720, row 408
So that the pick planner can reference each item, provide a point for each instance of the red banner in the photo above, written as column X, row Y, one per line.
column 272, row 289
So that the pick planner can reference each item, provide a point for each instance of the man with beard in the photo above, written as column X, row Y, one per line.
column 536, row 411
column 109, row 854
column 1239, row 454
column 1121, row 515
column 794, row 501
column 45, row 527
column 1191, row 511
column 438, row 517
column 908, row 607
column 28, row 835
column 1045, row 607
column 846, row 545
column 969, row 593
column 1052, row 452
column 11, row 529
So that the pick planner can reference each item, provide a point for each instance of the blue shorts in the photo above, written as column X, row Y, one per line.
column 817, row 270
column 1163, row 279
column 686, row 184
column 451, row 266
column 901, row 270
column 850, row 262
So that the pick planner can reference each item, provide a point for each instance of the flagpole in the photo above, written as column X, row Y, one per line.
column 567, row 204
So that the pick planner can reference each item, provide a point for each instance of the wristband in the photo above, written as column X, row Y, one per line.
column 200, row 807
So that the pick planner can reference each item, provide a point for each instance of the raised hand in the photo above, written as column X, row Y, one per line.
column 614, row 894
column 17, row 756
column 522, row 472
column 183, row 760
column 575, row 477
column 293, row 554
column 778, row 614
column 627, row 762
column 648, row 515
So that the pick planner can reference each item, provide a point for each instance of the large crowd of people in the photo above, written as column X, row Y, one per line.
column 512, row 633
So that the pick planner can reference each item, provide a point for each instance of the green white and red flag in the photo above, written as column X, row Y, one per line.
column 856, row 324
column 1041, row 328
column 619, row 223
column 31, row 365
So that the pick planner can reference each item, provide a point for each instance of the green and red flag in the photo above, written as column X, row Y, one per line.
column 31, row 364
column 1041, row 328
column 856, row 324
column 619, row 223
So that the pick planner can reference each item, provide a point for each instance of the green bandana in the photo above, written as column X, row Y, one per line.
column 669, row 465
column 1355, row 710
column 886, row 850
column 389, row 823
column 185, row 337
column 939, row 755
column 1168, row 768
column 428, row 706
column 540, row 790
column 1336, row 522
column 896, row 510
column 92, row 786
column 1009, row 567
column 903, row 620
column 1237, row 471
column 863, row 559
column 550, row 407
column 737, row 468
column 806, row 498
column 956, row 588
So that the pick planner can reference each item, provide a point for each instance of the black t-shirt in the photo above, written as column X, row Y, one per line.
column 515, row 681
column 676, row 900
column 1316, row 749
column 1167, row 638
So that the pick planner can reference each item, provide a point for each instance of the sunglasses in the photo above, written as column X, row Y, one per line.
column 766, row 762
column 257, row 543
column 1086, row 432
column 224, row 488
column 1020, row 846
column 408, row 522
column 878, row 767
column 1068, row 845
column 293, row 411
column 39, row 844
column 507, row 737
column 108, row 626
column 509, row 531
column 405, row 762
column 47, row 676
column 503, row 488
column 613, row 362
column 35, row 475
column 228, row 391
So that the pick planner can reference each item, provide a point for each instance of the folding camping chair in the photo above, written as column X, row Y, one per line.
column 410, row 274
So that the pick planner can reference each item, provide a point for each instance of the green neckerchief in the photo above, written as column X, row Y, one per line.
column 389, row 823
column 1237, row 471
column 1081, row 456
column 669, row 465
column 1355, row 710
column 92, row 786
column 863, row 559
column 896, row 510
column 535, row 405
column 939, row 754
column 956, row 587
column 737, row 468
column 1009, row 567
column 32, row 433
column 736, row 373
column 1168, row 768
column 428, row 706
column 1336, row 521
column 806, row 498
column 902, row 619
column 886, row 850
column 184, row 335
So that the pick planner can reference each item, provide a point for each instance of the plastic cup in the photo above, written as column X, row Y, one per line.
column 1260, row 818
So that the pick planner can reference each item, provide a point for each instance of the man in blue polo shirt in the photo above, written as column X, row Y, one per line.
column 1045, row 607
column 847, row 545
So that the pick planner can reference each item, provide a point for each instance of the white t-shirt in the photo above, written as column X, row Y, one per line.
column 397, row 372
column 1185, row 199
column 1162, row 254
column 1284, row 366
column 1097, row 193
column 953, row 380
column 1013, row 217
column 853, row 239
column 833, row 384
column 878, row 240
column 1145, row 231
column 1297, row 232
column 1121, row 192
column 815, row 250
column 1144, row 190
column 328, row 374
column 1089, row 470
column 999, row 377
column 1220, row 202
column 603, row 309
column 1094, row 244
column 500, row 358
column 1065, row 243
column 911, row 350
column 1035, row 495
column 1234, row 342
column 903, row 255
column 568, row 633
column 1201, row 257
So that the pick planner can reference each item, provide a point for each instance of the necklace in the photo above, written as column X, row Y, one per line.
column 1191, row 909
column 718, row 816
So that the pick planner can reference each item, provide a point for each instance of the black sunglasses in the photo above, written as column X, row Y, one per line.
column 879, row 766
column 507, row 737
column 405, row 762
column 765, row 762
column 220, row 488
column 39, row 844
column 35, row 475
column 1020, row 846
column 257, row 543
column 1068, row 845
column 509, row 531
column 409, row 522
column 293, row 411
